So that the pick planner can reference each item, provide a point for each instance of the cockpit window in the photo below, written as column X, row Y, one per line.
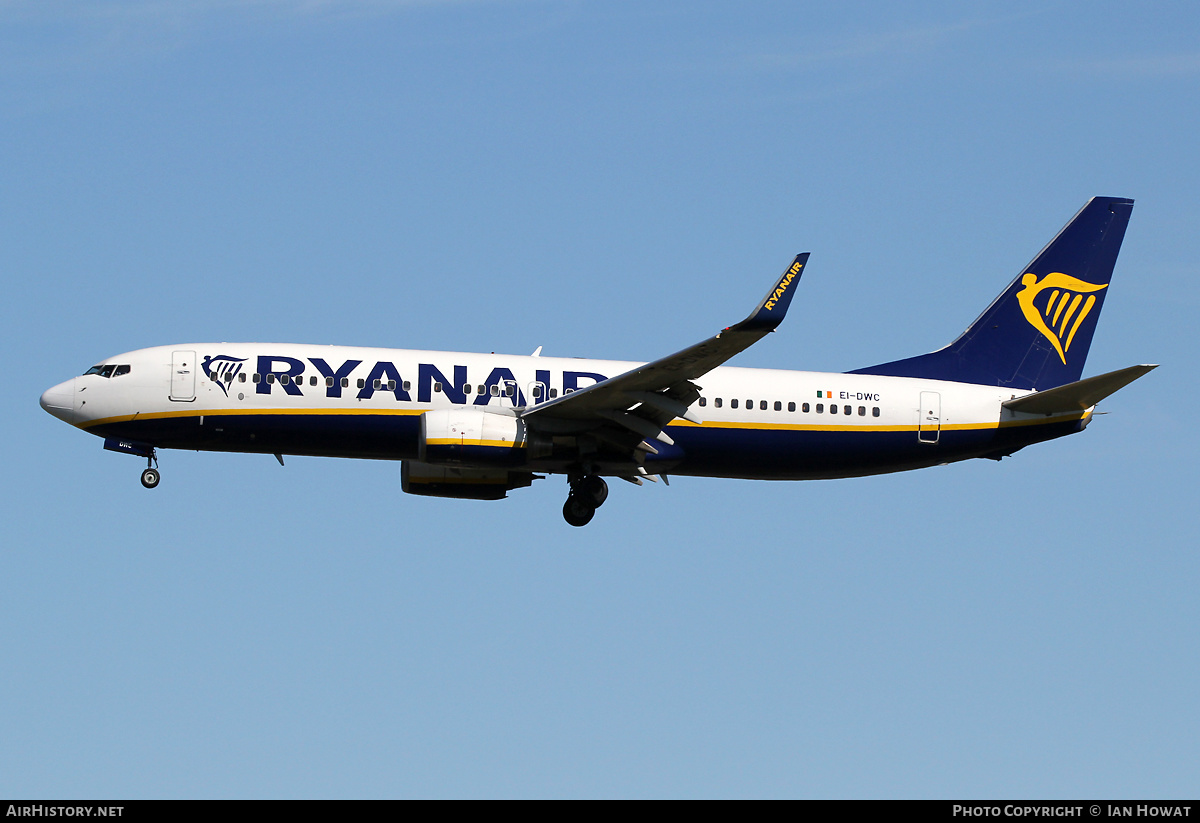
column 107, row 370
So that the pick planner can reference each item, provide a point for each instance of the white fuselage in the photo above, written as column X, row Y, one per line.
column 366, row 402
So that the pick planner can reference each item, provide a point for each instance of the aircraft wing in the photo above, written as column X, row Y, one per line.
column 643, row 400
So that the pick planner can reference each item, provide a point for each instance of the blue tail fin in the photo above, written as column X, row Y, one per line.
column 1037, row 333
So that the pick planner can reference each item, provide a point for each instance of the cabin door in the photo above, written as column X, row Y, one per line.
column 929, row 417
column 183, row 376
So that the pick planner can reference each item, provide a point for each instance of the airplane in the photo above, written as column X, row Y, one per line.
column 477, row 426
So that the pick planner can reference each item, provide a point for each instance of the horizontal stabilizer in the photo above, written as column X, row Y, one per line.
column 1077, row 396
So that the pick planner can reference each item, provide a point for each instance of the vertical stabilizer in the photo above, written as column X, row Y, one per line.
column 1036, row 334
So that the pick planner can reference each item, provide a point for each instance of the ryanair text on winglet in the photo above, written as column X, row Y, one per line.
column 783, row 285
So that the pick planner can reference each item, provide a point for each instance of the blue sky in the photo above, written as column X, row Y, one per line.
column 611, row 180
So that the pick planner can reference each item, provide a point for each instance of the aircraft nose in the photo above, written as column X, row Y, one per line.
column 60, row 401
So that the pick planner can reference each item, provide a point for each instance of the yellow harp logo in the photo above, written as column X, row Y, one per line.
column 1061, row 315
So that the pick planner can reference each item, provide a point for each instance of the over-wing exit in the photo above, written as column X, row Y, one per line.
column 478, row 426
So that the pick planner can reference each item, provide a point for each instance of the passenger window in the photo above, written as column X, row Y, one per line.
column 482, row 389
column 847, row 410
column 791, row 406
column 312, row 381
column 717, row 402
column 862, row 411
column 749, row 404
column 703, row 402
column 495, row 391
column 537, row 392
column 820, row 408
column 257, row 378
column 804, row 408
column 284, row 379
column 875, row 412
column 437, row 386
column 270, row 378
column 762, row 405
column 376, row 385
column 329, row 382
column 832, row 408
column 362, row 382
column 467, row 388
column 778, row 406
column 391, row 385
column 408, row 385
column 242, row 377
column 510, row 390
column 733, row 404
column 553, row 393
column 346, row 382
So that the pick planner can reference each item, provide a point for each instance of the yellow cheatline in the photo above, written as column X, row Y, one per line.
column 992, row 424
column 227, row 412
column 679, row 422
column 454, row 441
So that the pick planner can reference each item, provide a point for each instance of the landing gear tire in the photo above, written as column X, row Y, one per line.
column 593, row 489
column 578, row 511
column 150, row 478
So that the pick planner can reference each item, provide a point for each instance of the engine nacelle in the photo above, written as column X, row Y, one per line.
column 470, row 437
column 469, row 484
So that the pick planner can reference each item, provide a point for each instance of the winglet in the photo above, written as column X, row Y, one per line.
column 774, row 306
column 663, row 387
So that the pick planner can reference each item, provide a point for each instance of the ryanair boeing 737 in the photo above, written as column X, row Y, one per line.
column 480, row 425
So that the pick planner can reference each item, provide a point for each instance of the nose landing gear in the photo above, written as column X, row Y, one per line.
column 588, row 493
column 150, row 475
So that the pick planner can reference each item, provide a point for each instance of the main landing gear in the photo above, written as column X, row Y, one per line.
column 150, row 475
column 588, row 493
